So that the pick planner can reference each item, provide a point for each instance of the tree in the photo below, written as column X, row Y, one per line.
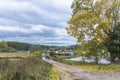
column 92, row 23
column 19, row 46
column 52, row 53
column 3, row 44
column 35, row 48
column 113, row 44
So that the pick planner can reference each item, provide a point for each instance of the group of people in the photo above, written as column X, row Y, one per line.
column 45, row 57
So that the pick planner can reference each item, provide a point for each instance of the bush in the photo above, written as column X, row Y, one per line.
column 8, row 49
column 36, row 54
column 52, row 54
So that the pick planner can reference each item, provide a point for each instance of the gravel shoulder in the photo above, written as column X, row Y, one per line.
column 68, row 72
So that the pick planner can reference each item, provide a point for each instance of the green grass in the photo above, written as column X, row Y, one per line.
column 105, row 68
column 65, row 57
column 53, row 74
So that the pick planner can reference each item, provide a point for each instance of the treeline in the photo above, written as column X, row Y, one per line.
column 35, row 47
column 25, row 46
column 20, row 46
column 30, row 47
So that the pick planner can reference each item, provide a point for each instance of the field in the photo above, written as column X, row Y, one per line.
column 18, row 54
column 21, row 66
column 27, row 69
column 13, row 55
column 64, row 57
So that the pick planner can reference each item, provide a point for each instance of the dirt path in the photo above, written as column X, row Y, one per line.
column 68, row 72
column 64, row 75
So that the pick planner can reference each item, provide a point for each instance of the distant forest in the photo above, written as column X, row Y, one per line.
column 34, row 47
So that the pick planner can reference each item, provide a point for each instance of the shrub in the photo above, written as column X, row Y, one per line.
column 52, row 54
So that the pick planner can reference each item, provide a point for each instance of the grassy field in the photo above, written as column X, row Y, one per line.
column 19, row 54
column 105, row 68
column 12, row 55
column 27, row 69
column 64, row 57
column 21, row 66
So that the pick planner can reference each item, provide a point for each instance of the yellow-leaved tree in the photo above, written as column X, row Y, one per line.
column 92, row 23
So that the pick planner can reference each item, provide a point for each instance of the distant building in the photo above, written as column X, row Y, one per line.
column 71, row 53
column 26, row 52
column 65, row 53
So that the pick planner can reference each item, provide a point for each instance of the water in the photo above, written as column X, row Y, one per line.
column 101, row 61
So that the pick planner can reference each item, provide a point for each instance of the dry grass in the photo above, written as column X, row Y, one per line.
column 24, row 69
column 28, row 67
column 12, row 55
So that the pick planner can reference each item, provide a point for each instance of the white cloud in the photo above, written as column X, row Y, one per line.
column 13, row 29
column 32, row 29
column 39, row 28
column 14, row 5
column 36, row 21
column 7, row 21
column 60, row 32
column 60, row 5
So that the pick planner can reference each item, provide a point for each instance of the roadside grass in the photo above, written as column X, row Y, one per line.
column 13, row 55
column 27, row 69
column 53, row 74
column 64, row 57
column 21, row 66
column 104, row 68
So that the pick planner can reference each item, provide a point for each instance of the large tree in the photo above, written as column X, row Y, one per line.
column 92, row 23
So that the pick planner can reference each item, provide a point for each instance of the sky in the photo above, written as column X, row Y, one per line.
column 36, row 21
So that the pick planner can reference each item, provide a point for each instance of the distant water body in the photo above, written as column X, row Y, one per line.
column 101, row 61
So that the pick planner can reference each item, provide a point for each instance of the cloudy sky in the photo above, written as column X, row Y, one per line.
column 35, row 21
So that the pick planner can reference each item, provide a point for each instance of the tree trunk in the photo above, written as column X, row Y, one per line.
column 83, row 59
column 96, row 60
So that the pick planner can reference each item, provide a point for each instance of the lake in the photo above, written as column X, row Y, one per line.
column 101, row 61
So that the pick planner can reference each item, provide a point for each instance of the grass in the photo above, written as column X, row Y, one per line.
column 65, row 57
column 105, row 68
column 18, row 54
column 20, row 66
column 53, row 74
column 27, row 69
column 12, row 55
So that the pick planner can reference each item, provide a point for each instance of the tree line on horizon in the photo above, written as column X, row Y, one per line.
column 19, row 46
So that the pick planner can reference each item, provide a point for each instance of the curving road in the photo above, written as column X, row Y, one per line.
column 69, row 72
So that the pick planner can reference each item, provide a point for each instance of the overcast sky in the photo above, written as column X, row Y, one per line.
column 35, row 21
